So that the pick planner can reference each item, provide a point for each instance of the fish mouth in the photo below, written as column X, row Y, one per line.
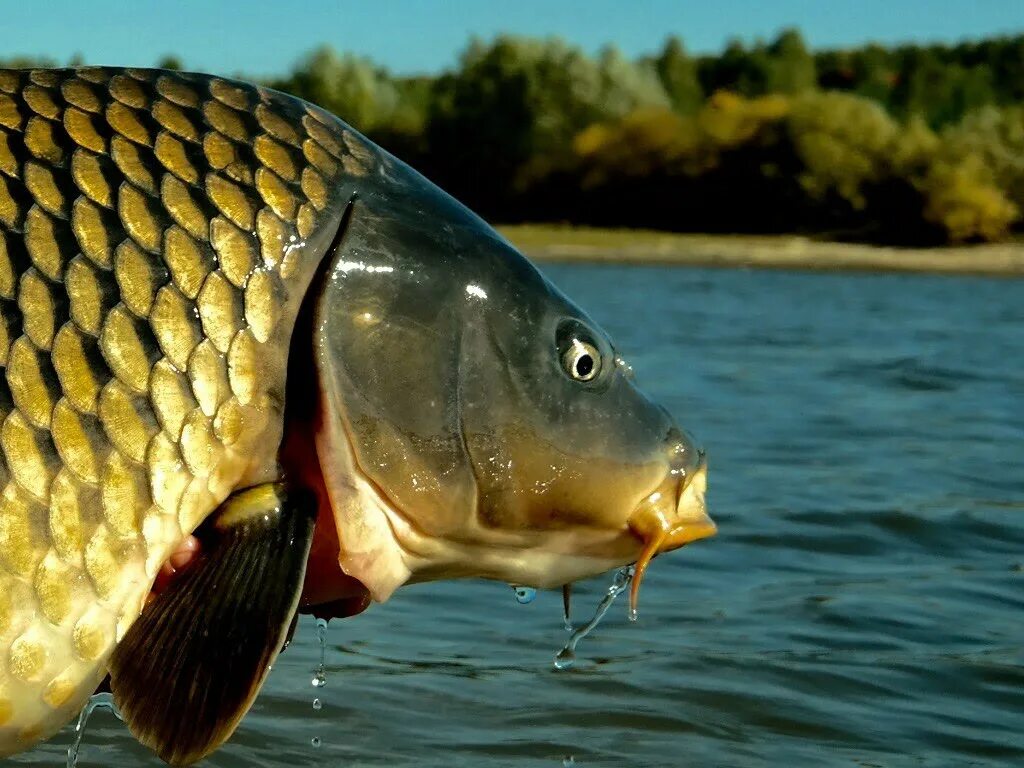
column 663, row 526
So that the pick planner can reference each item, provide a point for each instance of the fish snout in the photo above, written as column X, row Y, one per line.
column 675, row 514
column 677, row 510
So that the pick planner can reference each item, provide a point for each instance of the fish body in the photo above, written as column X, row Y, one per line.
column 157, row 234
column 201, row 280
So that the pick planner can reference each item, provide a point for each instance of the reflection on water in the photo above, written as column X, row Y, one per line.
column 861, row 605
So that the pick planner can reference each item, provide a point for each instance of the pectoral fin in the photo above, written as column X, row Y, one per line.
column 190, row 667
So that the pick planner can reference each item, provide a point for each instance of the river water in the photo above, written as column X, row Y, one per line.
column 862, row 605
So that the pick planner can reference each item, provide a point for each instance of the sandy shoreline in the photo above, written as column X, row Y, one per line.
column 552, row 243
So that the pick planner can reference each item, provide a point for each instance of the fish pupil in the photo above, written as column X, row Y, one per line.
column 584, row 365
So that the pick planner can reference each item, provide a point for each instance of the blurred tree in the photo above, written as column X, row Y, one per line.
column 875, row 73
column 624, row 86
column 783, row 66
column 909, row 144
column 964, row 200
column 736, row 70
column 993, row 137
column 27, row 62
column 938, row 90
column 645, row 142
column 1005, row 58
column 170, row 61
column 789, row 65
column 508, row 115
column 678, row 75
column 349, row 86
column 844, row 143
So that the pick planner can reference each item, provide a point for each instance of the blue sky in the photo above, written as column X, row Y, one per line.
column 262, row 37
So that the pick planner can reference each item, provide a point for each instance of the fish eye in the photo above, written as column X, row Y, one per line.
column 581, row 360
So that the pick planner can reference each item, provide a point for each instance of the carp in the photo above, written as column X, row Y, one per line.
column 225, row 312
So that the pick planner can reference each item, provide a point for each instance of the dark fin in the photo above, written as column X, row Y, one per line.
column 191, row 665
column 290, row 634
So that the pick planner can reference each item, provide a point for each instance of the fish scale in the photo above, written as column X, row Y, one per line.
column 151, row 266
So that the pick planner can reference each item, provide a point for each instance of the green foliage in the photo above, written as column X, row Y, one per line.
column 522, row 101
column 783, row 66
column 346, row 85
column 789, row 67
column 844, row 143
column 678, row 74
column 940, row 83
column 994, row 137
column 963, row 199
column 27, row 62
column 641, row 144
column 911, row 144
column 170, row 61
column 555, row 89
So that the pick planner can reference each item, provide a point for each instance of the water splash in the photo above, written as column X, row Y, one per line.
column 96, row 701
column 320, row 674
column 524, row 594
column 567, row 656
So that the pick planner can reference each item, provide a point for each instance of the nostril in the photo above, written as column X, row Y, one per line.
column 683, row 454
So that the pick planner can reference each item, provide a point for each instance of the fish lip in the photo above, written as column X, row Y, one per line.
column 687, row 521
column 658, row 532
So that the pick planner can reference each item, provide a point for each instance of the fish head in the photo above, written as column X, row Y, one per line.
column 475, row 422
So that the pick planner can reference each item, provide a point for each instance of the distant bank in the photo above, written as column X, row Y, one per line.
column 621, row 246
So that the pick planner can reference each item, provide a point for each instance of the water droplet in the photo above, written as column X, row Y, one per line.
column 565, row 659
column 524, row 594
column 568, row 761
column 567, row 607
column 96, row 701
column 567, row 656
column 320, row 675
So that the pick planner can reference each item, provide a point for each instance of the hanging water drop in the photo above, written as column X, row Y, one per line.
column 320, row 675
column 567, row 606
column 524, row 594
column 567, row 656
column 96, row 701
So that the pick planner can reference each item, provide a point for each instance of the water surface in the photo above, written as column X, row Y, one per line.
column 862, row 604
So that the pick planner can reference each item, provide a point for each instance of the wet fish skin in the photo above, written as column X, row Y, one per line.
column 157, row 233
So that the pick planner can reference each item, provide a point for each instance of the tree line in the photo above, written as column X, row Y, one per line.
column 912, row 144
